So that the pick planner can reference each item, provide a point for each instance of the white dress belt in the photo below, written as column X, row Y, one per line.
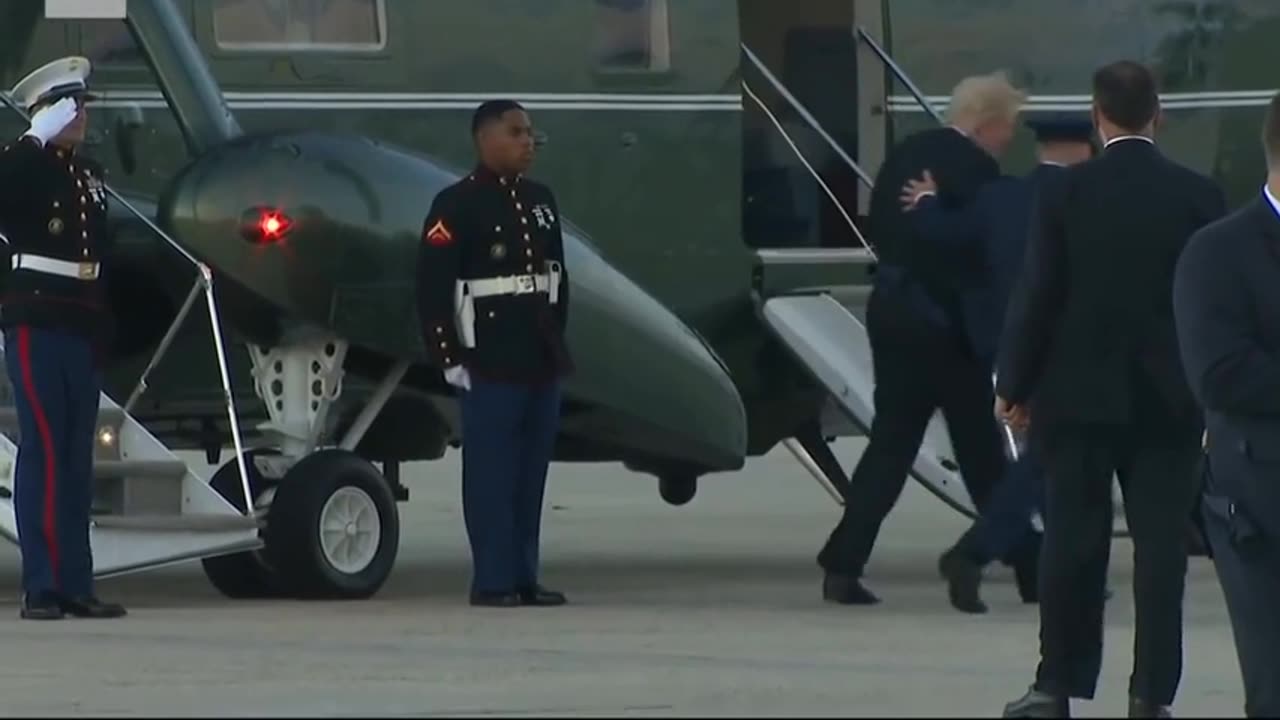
column 55, row 266
column 508, row 285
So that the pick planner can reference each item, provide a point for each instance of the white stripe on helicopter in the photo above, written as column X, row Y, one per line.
column 628, row 101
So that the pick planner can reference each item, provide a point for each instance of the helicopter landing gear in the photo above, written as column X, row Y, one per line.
column 332, row 528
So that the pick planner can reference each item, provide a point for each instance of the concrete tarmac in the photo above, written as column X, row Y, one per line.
column 712, row 609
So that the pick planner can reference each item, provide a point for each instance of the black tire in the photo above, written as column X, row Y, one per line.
column 242, row 575
column 678, row 489
column 293, row 533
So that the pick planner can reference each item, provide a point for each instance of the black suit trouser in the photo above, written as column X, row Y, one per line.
column 919, row 368
column 1248, row 564
column 1160, row 485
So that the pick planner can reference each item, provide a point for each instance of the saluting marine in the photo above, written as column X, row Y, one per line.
column 53, row 216
column 493, row 297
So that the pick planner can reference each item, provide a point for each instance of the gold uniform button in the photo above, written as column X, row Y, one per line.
column 528, row 268
column 443, row 345
column 519, row 206
column 524, row 220
column 56, row 204
column 84, row 234
column 528, row 252
column 84, row 200
column 491, row 314
column 84, row 217
column 527, row 238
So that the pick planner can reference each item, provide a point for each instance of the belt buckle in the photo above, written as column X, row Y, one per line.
column 525, row 284
column 85, row 270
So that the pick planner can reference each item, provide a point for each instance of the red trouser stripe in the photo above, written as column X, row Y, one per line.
column 46, row 442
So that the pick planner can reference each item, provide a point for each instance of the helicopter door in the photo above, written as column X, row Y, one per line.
column 809, row 47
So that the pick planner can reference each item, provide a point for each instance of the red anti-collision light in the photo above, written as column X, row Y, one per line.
column 266, row 225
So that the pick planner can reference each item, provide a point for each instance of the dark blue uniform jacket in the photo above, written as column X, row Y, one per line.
column 992, row 230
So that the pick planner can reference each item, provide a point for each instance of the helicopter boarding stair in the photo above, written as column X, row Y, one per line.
column 149, row 507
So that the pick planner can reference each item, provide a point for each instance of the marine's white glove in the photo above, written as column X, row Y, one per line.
column 458, row 377
column 51, row 120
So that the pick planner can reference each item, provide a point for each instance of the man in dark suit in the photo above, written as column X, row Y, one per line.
column 1090, row 356
column 994, row 229
column 1227, row 305
column 922, row 358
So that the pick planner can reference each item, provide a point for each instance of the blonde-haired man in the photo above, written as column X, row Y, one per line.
column 922, row 358
column 986, row 108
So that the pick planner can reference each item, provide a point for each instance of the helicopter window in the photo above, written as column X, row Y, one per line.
column 108, row 42
column 633, row 35
column 351, row 25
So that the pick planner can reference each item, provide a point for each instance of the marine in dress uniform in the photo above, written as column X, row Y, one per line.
column 493, row 297
column 1226, row 300
column 994, row 227
column 53, row 211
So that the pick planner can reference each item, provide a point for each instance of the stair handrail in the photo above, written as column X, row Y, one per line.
column 817, row 127
column 804, row 113
column 860, row 34
column 204, row 280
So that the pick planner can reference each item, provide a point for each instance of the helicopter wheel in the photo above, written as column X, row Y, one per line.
column 678, row 489
column 333, row 530
column 242, row 575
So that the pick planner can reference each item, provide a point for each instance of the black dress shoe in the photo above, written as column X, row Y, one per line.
column 846, row 590
column 963, row 577
column 41, row 607
column 91, row 607
column 538, row 596
column 1141, row 709
column 1036, row 704
column 497, row 600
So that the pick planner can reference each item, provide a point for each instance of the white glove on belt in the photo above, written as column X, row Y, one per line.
column 51, row 120
column 458, row 377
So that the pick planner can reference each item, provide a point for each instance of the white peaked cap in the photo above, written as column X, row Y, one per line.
column 60, row 78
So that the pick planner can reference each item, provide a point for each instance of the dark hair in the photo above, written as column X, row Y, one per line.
column 491, row 111
column 1126, row 94
column 1271, row 133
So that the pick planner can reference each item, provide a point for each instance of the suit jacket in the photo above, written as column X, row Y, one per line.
column 993, row 229
column 906, row 256
column 1090, row 334
column 1226, row 297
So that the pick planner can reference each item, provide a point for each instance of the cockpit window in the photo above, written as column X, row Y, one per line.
column 300, row 25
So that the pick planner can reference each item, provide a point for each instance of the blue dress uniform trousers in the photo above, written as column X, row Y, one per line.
column 56, row 387
column 1005, row 524
column 509, row 432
